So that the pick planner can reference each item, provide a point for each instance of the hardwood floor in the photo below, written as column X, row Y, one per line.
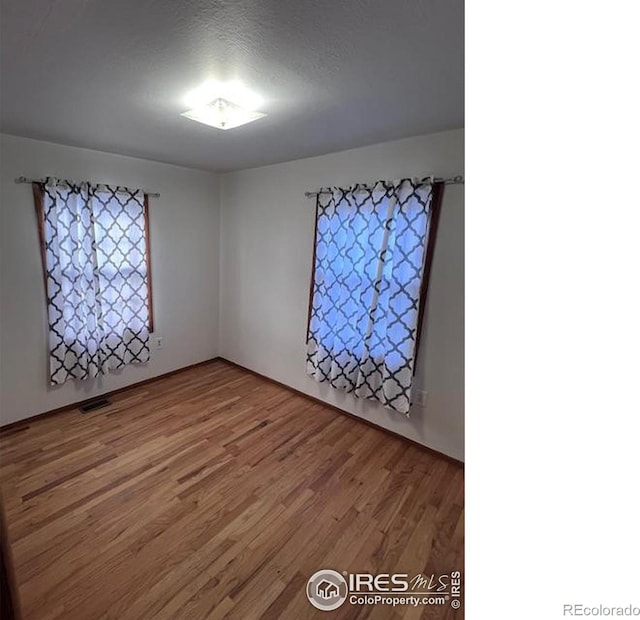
column 214, row 493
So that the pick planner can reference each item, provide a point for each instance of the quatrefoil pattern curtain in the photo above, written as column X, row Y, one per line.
column 368, row 284
column 94, row 258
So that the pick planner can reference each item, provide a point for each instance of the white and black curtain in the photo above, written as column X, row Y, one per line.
column 94, row 259
column 373, row 249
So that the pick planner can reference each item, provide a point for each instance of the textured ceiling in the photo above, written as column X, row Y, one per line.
column 335, row 74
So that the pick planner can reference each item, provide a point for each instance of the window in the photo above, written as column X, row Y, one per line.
column 373, row 251
column 95, row 257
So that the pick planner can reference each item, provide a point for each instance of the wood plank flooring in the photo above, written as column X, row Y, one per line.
column 214, row 493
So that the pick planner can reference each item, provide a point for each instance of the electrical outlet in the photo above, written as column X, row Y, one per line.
column 159, row 343
column 421, row 398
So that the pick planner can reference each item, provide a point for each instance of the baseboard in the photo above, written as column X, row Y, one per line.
column 441, row 455
column 26, row 421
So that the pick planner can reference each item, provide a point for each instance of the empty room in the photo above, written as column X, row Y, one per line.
column 232, row 310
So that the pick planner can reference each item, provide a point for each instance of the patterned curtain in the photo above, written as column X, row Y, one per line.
column 96, row 278
column 371, row 246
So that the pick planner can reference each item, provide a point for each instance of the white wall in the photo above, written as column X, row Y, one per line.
column 266, row 239
column 257, row 235
column 184, row 257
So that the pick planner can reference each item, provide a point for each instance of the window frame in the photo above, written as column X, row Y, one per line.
column 38, row 201
column 437, row 194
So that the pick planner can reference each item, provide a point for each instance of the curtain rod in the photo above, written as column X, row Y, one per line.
column 26, row 180
column 457, row 180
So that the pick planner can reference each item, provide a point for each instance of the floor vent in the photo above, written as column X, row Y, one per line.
column 94, row 404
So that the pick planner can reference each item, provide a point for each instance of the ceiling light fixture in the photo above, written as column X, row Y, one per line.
column 222, row 114
column 224, row 105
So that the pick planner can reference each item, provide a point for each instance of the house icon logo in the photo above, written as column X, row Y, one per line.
column 327, row 590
